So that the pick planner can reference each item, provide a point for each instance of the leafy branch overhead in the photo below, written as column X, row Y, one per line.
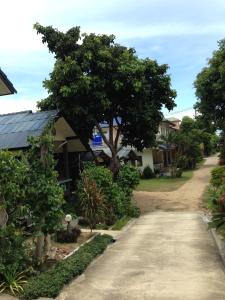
column 96, row 80
column 210, row 88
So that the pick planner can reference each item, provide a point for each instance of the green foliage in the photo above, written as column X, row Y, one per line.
column 28, row 190
column 128, row 178
column 222, row 152
column 121, row 223
column 179, row 173
column 13, row 249
column 148, row 173
column 210, row 88
column 182, row 162
column 51, row 282
column 45, row 196
column 96, row 80
column 187, row 124
column 218, row 176
column 216, row 198
column 13, row 172
column 117, row 195
column 12, row 281
column 92, row 200
column 216, row 203
column 189, row 142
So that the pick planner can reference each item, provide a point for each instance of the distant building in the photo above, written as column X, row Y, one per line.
column 175, row 121
column 158, row 157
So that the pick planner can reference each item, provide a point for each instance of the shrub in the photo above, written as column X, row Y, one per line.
column 13, row 249
column 50, row 283
column 117, row 194
column 179, row 173
column 218, row 209
column 113, row 195
column 128, row 178
column 218, row 176
column 182, row 161
column 222, row 156
column 92, row 200
column 148, row 173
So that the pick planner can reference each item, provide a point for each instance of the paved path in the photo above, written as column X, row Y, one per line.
column 162, row 256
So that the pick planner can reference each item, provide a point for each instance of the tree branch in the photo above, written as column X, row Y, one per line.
column 117, row 137
column 104, row 137
column 111, row 131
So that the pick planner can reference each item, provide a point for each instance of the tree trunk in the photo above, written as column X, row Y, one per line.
column 114, row 164
column 47, row 245
column 39, row 248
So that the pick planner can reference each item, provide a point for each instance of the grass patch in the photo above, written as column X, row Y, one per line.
column 164, row 184
column 167, row 184
column 205, row 197
column 49, row 284
column 121, row 222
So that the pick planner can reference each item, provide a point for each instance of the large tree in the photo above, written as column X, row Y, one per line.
column 96, row 80
column 210, row 88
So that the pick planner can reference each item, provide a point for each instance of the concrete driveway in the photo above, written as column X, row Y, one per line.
column 163, row 256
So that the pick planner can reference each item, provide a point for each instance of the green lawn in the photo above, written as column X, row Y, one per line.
column 164, row 184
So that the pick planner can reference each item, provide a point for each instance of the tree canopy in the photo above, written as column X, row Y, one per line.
column 192, row 140
column 96, row 80
column 210, row 88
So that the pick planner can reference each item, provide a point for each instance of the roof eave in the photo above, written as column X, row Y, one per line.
column 8, row 84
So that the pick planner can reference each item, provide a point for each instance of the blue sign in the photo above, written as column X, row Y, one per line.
column 97, row 140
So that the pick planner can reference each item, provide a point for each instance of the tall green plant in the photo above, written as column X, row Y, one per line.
column 128, row 178
column 92, row 201
column 45, row 196
column 13, row 208
column 13, row 171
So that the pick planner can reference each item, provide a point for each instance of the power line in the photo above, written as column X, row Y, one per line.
column 179, row 111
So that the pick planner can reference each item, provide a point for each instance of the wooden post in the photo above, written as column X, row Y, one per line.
column 66, row 161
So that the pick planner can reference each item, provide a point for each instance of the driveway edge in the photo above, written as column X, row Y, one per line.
column 219, row 244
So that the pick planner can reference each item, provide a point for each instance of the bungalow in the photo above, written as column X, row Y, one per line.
column 15, row 128
column 6, row 87
column 164, row 154
column 158, row 157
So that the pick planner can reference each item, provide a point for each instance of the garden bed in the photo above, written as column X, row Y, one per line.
column 61, row 250
column 49, row 283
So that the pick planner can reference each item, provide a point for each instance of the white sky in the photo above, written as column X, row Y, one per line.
column 181, row 33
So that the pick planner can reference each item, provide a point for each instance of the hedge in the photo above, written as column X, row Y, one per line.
column 50, row 283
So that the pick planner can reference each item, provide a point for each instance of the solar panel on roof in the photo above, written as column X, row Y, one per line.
column 17, row 127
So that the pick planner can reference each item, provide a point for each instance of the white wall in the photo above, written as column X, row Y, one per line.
column 147, row 158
